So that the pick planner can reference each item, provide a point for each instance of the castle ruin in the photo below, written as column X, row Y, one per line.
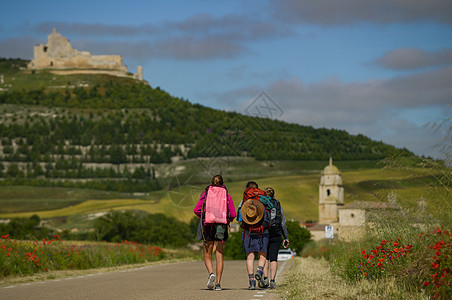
column 58, row 57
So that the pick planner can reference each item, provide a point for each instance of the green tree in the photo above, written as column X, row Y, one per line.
column 117, row 155
column 298, row 236
column 234, row 246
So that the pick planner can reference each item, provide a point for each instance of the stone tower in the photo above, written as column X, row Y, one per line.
column 331, row 194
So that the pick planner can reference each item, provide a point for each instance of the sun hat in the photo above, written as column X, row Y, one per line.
column 252, row 211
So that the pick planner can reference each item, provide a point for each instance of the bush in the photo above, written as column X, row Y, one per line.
column 29, row 257
column 234, row 246
column 298, row 236
column 157, row 229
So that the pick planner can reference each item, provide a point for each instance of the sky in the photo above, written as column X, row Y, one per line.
column 378, row 68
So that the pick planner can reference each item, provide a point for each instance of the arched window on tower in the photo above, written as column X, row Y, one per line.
column 328, row 192
column 51, row 63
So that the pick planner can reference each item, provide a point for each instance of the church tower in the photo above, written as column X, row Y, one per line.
column 331, row 194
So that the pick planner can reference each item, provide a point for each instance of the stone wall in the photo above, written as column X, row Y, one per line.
column 58, row 55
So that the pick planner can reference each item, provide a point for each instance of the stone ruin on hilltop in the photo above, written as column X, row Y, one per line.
column 58, row 57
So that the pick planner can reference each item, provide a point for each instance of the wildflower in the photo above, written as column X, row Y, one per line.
column 426, row 283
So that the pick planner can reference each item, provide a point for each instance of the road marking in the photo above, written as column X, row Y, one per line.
column 280, row 269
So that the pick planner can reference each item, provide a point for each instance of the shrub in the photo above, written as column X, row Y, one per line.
column 29, row 257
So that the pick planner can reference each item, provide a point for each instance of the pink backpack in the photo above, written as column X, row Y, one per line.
column 216, row 205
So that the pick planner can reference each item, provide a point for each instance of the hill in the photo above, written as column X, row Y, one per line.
column 111, row 133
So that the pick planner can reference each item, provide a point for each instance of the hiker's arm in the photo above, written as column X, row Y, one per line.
column 283, row 225
column 231, row 209
column 198, row 206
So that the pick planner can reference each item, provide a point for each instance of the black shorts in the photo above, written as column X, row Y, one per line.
column 210, row 232
column 273, row 247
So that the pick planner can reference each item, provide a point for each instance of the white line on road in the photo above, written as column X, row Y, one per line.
column 281, row 269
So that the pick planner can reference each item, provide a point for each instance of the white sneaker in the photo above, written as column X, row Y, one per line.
column 211, row 281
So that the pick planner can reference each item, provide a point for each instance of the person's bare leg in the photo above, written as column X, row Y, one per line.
column 219, row 257
column 262, row 259
column 208, row 249
column 266, row 266
column 250, row 262
column 274, row 268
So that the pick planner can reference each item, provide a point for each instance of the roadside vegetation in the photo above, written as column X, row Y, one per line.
column 402, row 255
column 20, row 258
column 118, row 239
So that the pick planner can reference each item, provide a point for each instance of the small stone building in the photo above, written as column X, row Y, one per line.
column 357, row 217
column 349, row 221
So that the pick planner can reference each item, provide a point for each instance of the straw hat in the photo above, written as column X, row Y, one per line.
column 252, row 211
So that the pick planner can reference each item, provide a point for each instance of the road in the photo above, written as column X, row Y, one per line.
column 184, row 280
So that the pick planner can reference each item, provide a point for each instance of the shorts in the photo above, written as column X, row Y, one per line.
column 255, row 243
column 210, row 232
column 274, row 243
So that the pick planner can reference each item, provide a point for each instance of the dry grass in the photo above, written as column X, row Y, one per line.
column 310, row 278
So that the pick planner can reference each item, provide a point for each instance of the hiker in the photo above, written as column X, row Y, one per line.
column 216, row 210
column 255, row 221
column 277, row 228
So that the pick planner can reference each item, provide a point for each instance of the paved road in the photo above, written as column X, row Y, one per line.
column 186, row 280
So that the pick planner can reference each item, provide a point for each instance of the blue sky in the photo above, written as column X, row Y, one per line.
column 379, row 68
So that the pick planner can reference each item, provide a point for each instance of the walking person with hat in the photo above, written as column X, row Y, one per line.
column 277, row 230
column 255, row 221
column 216, row 210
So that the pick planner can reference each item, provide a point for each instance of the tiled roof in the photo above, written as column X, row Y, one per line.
column 370, row 205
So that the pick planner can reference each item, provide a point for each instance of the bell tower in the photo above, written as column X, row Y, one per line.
column 331, row 194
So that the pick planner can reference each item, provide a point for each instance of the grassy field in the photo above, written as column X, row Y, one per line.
column 298, row 194
column 20, row 79
column 310, row 278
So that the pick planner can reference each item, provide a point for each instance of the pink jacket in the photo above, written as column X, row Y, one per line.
column 231, row 209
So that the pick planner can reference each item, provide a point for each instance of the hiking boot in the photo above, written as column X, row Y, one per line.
column 252, row 285
column 264, row 283
column 217, row 287
column 272, row 284
column 211, row 281
column 258, row 277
